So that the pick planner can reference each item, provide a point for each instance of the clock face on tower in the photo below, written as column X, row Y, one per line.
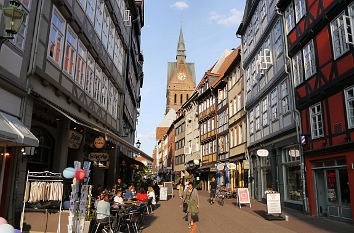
column 181, row 76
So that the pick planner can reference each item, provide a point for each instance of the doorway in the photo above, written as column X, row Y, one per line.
column 332, row 193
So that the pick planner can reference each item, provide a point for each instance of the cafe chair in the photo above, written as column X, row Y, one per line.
column 105, row 224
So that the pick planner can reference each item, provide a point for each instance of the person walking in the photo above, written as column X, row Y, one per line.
column 212, row 191
column 180, row 189
column 192, row 199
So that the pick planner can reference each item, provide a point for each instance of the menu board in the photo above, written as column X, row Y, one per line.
column 169, row 187
column 163, row 194
column 273, row 203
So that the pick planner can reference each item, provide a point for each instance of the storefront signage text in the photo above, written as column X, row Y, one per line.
column 99, row 142
column 75, row 139
column 98, row 157
column 262, row 153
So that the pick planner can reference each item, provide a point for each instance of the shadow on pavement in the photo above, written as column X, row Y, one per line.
column 148, row 220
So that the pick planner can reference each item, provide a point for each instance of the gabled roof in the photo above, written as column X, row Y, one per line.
column 168, row 119
column 221, row 60
column 247, row 13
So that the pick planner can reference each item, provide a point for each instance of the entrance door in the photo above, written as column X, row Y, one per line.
column 345, row 204
column 320, row 193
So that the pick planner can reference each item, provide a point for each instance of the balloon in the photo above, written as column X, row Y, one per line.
column 7, row 228
column 80, row 174
column 69, row 172
column 2, row 221
column 17, row 231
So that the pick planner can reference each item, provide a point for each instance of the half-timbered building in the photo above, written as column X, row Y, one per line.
column 320, row 44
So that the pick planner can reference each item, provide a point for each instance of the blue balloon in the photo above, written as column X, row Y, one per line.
column 69, row 172
column 17, row 231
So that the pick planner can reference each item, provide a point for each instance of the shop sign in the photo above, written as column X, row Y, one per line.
column 273, row 203
column 99, row 142
column 231, row 166
column 243, row 196
column 98, row 156
column 262, row 153
column 220, row 166
column 75, row 139
column 294, row 153
column 246, row 164
column 213, row 169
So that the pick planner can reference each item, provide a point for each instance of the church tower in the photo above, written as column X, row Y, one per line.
column 180, row 78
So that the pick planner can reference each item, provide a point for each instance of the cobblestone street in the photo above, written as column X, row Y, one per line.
column 169, row 218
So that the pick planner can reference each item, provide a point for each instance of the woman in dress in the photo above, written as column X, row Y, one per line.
column 192, row 199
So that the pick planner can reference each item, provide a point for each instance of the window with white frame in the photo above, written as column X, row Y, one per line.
column 105, row 26
column 238, row 72
column 349, row 102
column 289, row 18
column 111, row 39
column 231, row 108
column 251, row 120
column 70, row 52
column 212, row 123
column 309, row 60
column 104, row 91
column 258, row 119
column 240, row 140
column 233, row 78
column 97, row 84
column 248, row 84
column 265, row 111
column 316, row 121
column 232, row 138
column 284, row 97
column 115, row 103
column 274, row 104
column 254, row 68
column 239, row 102
column 56, row 37
column 99, row 17
column 90, row 10
column 120, row 57
column 80, row 76
column 110, row 98
column 338, row 36
column 268, row 58
column 235, row 106
column 300, row 9
column 20, row 36
column 278, row 39
column 256, row 20
column 349, row 25
column 298, row 69
column 90, row 75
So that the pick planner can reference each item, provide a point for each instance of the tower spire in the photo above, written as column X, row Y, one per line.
column 181, row 49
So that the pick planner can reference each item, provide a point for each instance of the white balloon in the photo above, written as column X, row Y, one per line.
column 7, row 228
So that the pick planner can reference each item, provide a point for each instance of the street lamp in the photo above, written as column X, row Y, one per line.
column 138, row 144
column 13, row 18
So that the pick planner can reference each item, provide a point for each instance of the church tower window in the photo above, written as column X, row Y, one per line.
column 181, row 99
column 175, row 98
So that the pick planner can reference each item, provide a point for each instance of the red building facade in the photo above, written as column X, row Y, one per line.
column 320, row 46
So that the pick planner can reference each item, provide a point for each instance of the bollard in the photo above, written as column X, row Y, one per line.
column 286, row 218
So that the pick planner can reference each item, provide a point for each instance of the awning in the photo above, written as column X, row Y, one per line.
column 101, row 130
column 14, row 133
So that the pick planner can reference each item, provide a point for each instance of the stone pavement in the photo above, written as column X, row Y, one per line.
column 169, row 218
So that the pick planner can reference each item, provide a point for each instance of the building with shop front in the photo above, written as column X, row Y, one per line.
column 192, row 148
column 82, row 71
column 180, row 142
column 320, row 45
column 15, row 119
column 237, row 124
column 271, row 128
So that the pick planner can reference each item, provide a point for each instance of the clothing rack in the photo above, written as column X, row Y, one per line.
column 45, row 176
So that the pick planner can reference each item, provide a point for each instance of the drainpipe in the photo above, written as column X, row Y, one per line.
column 296, row 115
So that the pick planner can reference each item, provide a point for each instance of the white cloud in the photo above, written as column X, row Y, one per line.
column 146, row 136
column 233, row 18
column 180, row 5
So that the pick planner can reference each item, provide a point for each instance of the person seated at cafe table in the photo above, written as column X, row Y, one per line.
column 142, row 195
column 130, row 193
column 120, row 185
column 118, row 200
column 103, row 209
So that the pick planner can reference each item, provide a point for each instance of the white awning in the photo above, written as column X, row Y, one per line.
column 14, row 133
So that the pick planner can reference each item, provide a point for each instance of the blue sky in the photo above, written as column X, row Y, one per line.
column 209, row 27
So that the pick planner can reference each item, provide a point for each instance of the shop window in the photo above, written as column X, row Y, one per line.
column 98, row 17
column 349, row 102
column 56, row 37
column 70, row 52
column 309, row 60
column 300, row 9
column 338, row 36
column 298, row 69
column 316, row 121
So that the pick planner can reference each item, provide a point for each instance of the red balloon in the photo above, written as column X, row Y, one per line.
column 80, row 174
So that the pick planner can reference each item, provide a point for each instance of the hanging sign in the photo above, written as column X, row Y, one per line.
column 262, row 153
column 98, row 156
column 75, row 139
column 243, row 196
column 273, row 203
column 246, row 164
column 220, row 167
column 231, row 166
column 99, row 142
column 294, row 153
